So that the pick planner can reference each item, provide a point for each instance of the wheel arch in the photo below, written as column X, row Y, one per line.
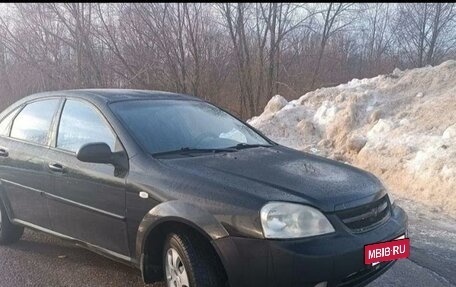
column 167, row 217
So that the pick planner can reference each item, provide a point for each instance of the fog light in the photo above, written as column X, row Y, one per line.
column 321, row 284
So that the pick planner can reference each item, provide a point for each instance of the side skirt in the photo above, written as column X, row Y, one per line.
column 94, row 248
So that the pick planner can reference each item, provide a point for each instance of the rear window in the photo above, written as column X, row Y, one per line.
column 33, row 123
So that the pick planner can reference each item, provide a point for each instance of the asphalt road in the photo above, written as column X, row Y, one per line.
column 41, row 260
column 432, row 259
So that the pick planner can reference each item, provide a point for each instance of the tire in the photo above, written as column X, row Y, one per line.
column 9, row 233
column 201, row 264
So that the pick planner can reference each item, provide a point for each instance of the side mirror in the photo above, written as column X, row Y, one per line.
column 95, row 153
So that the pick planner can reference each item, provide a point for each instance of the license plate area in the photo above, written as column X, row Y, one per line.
column 398, row 248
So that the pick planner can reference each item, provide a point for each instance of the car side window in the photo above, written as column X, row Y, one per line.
column 33, row 123
column 80, row 124
column 5, row 123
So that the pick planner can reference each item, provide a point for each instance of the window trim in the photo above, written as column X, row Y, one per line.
column 15, row 110
column 56, row 126
column 21, row 109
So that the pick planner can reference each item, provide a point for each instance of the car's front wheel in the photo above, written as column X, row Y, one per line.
column 9, row 233
column 188, row 262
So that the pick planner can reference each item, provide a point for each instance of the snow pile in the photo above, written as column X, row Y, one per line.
column 400, row 126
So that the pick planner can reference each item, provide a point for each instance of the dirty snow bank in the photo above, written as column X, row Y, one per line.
column 400, row 126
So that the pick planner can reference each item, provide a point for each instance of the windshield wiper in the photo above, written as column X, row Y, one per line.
column 244, row 146
column 188, row 150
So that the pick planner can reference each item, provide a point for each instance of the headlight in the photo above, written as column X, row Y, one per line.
column 290, row 220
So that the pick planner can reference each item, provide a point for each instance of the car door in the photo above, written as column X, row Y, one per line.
column 23, row 161
column 88, row 201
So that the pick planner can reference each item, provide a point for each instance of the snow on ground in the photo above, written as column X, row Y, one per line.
column 400, row 126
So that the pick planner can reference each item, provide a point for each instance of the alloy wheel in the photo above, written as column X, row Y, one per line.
column 176, row 274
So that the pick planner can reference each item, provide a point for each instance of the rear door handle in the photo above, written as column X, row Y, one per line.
column 56, row 167
column 3, row 152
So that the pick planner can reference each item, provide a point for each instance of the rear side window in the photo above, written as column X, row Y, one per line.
column 5, row 123
column 81, row 124
column 33, row 123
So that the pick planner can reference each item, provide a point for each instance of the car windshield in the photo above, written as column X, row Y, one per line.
column 167, row 126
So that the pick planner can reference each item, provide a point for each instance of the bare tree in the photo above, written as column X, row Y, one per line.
column 5, row 84
column 235, row 19
column 237, row 55
column 379, row 39
column 333, row 22
column 426, row 31
column 280, row 21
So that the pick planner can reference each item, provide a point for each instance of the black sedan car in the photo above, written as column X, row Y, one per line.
column 186, row 192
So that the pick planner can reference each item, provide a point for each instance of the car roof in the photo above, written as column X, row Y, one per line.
column 114, row 95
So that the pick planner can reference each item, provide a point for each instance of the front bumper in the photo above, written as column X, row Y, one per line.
column 336, row 258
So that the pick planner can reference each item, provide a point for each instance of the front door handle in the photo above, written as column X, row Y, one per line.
column 3, row 152
column 56, row 167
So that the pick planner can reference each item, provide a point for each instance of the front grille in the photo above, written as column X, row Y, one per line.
column 365, row 217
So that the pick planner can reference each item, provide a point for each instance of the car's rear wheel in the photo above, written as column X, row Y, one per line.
column 188, row 262
column 9, row 233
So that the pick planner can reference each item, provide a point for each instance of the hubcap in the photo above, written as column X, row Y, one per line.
column 176, row 275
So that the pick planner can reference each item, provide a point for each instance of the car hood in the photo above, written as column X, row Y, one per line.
column 281, row 174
